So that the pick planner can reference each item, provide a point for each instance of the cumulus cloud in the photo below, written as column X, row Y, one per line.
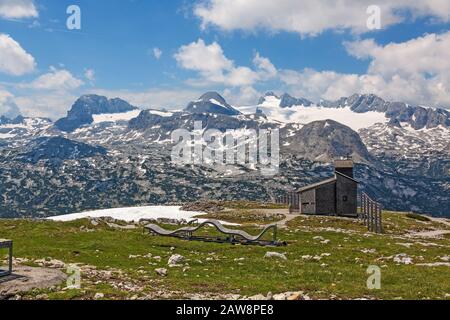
column 419, row 68
column 8, row 107
column 89, row 74
column 156, row 98
column 14, row 60
column 51, row 104
column 242, row 96
column 56, row 79
column 312, row 17
column 209, row 60
column 157, row 53
column 49, row 95
column 18, row 9
column 427, row 56
column 425, row 79
column 331, row 85
column 214, row 67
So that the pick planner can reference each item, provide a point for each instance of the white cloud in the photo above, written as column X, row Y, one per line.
column 266, row 68
column 427, row 56
column 8, row 107
column 157, row 53
column 156, row 98
column 206, row 59
column 18, row 9
column 242, row 96
column 56, row 79
column 89, row 74
column 51, row 104
column 332, row 85
column 14, row 60
column 425, row 79
column 311, row 17
column 51, row 94
column 361, row 49
column 418, row 69
column 215, row 68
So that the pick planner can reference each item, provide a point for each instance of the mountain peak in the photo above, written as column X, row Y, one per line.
column 328, row 139
column 88, row 105
column 213, row 95
column 268, row 94
column 211, row 102
column 283, row 101
column 287, row 101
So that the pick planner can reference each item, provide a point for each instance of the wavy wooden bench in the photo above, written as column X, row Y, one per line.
column 232, row 235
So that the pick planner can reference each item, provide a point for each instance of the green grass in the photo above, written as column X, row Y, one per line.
column 244, row 216
column 215, row 268
column 252, row 205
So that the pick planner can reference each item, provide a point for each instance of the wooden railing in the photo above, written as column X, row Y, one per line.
column 371, row 214
column 292, row 199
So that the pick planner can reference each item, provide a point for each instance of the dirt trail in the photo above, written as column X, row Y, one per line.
column 282, row 223
column 433, row 233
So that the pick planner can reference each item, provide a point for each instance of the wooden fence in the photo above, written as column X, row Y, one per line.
column 371, row 214
column 292, row 199
column 370, row 211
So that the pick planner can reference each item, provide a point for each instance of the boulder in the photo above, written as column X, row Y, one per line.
column 161, row 272
column 275, row 255
column 175, row 260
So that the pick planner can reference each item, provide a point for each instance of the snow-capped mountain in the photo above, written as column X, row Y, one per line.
column 22, row 129
column 284, row 101
column 84, row 109
column 107, row 153
column 211, row 102
column 358, row 111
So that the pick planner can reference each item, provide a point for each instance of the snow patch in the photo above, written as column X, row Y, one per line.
column 114, row 117
column 305, row 115
column 134, row 214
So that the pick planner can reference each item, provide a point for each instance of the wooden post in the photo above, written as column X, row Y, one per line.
column 363, row 207
column 366, row 211
column 381, row 219
column 376, row 218
column 10, row 258
column 368, row 214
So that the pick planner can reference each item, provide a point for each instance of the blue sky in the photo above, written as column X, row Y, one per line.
column 240, row 49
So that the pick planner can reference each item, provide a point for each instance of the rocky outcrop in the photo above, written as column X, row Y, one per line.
column 418, row 117
column 88, row 105
column 287, row 101
column 57, row 149
column 326, row 140
column 211, row 102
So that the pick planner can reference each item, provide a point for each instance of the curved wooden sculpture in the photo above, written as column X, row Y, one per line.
column 233, row 236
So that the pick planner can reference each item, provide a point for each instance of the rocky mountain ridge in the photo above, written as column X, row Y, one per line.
column 126, row 163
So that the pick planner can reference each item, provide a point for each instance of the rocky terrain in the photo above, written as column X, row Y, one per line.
column 107, row 153
column 325, row 258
